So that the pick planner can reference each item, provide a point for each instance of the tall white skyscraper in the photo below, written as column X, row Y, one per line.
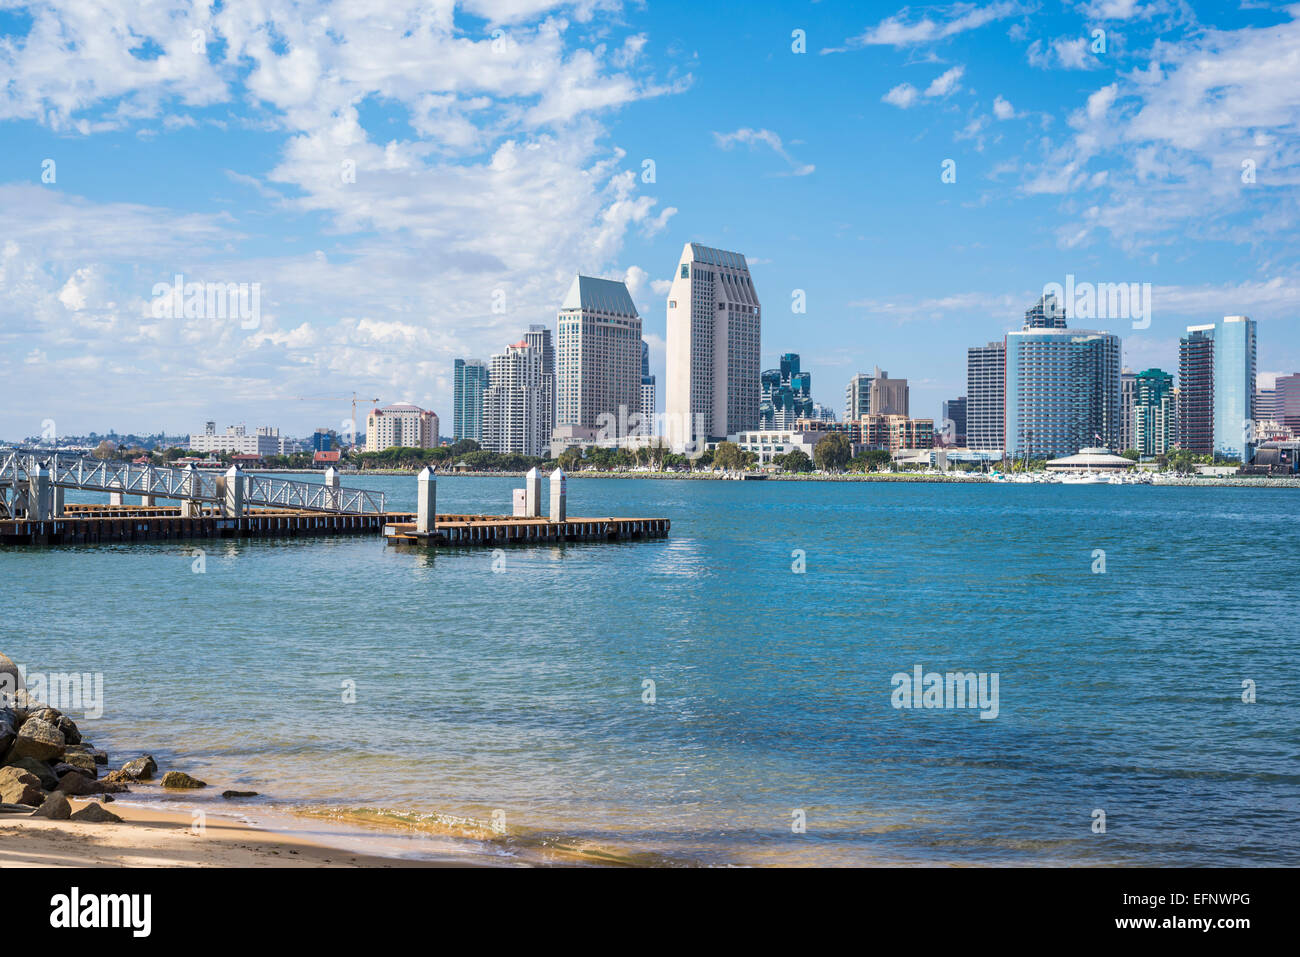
column 714, row 340
column 599, row 368
column 514, row 405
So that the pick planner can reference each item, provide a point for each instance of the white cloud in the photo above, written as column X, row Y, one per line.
column 902, row 96
column 1069, row 53
column 767, row 138
column 899, row 31
column 945, row 82
column 1003, row 109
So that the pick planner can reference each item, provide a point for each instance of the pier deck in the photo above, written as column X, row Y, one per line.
column 498, row 530
column 93, row 524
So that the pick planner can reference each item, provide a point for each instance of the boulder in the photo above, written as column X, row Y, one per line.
column 82, row 762
column 96, row 814
column 49, row 780
column 11, row 682
column 8, row 728
column 231, row 795
column 55, row 807
column 78, row 785
column 179, row 780
column 37, row 739
column 142, row 768
column 69, row 729
column 15, row 809
column 20, row 787
column 42, row 713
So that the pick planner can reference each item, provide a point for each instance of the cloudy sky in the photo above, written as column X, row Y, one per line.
column 406, row 183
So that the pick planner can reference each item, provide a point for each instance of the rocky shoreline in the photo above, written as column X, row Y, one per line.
column 45, row 760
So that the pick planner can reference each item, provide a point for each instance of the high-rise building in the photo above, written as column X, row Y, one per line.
column 822, row 413
column 647, row 392
column 857, row 397
column 401, row 426
column 539, row 338
column 1286, row 405
column 889, row 396
column 714, row 341
column 954, row 411
column 470, row 381
column 599, row 354
column 1047, row 313
column 514, row 406
column 786, row 394
column 1266, row 408
column 1155, row 413
column 1216, row 382
column 1127, row 395
column 986, row 368
column 1062, row 389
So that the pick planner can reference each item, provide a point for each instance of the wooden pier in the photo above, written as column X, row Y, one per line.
column 95, row 524
column 497, row 530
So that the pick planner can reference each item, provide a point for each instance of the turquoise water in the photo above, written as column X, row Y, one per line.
column 521, row 690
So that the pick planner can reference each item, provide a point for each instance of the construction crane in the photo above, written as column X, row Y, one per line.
column 339, row 398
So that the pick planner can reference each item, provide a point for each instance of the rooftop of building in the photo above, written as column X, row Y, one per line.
column 599, row 295
column 717, row 257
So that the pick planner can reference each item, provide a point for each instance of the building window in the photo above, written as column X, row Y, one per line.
column 686, row 270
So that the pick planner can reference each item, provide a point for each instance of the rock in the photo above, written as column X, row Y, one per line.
column 111, row 787
column 82, row 762
column 37, row 739
column 231, row 795
column 20, row 787
column 77, row 784
column 15, row 809
column 55, row 807
column 11, row 684
column 49, row 780
column 142, row 768
column 52, row 715
column 107, row 798
column 8, row 728
column 180, row 780
column 69, row 729
column 96, row 814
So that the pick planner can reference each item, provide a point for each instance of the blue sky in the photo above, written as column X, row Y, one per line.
column 500, row 146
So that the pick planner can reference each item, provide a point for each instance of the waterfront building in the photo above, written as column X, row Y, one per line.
column 985, row 396
column 857, row 396
column 1127, row 395
column 889, row 396
column 768, row 443
column 714, row 341
column 514, row 406
column 1286, row 405
column 1216, row 380
column 892, row 432
column 823, row 413
column 322, row 440
column 599, row 354
column 954, row 411
column 539, row 338
column 1266, row 405
column 1155, row 413
column 401, row 426
column 786, row 394
column 236, row 439
column 1062, row 391
column 470, row 382
column 648, row 397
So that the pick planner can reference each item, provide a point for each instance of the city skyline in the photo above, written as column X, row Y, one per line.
column 387, row 235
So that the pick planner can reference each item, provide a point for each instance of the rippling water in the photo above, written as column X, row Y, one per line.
column 522, row 690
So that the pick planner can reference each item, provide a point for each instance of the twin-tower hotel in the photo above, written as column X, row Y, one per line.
column 593, row 382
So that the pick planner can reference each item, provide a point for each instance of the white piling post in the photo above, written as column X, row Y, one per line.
column 333, row 482
column 533, row 493
column 147, row 500
column 190, row 505
column 56, row 511
column 232, row 503
column 38, row 495
column 559, row 495
column 426, row 512
column 115, row 498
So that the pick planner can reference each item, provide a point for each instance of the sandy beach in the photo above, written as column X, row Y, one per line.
column 148, row 837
